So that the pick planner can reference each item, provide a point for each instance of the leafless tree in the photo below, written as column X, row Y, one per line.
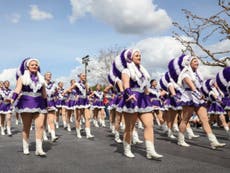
column 201, row 29
column 100, row 67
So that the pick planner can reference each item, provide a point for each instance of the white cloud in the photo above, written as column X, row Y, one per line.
column 124, row 15
column 156, row 53
column 14, row 18
column 37, row 14
column 10, row 75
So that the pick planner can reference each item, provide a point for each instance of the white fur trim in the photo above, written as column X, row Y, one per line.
column 26, row 80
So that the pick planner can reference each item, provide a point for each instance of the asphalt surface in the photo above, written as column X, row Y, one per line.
column 103, row 155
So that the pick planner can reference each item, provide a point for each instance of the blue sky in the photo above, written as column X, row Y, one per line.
column 57, row 41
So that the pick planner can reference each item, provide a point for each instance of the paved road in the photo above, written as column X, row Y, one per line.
column 103, row 155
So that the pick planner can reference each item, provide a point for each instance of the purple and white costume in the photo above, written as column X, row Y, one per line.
column 82, row 101
column 51, row 92
column 139, row 79
column 60, row 98
column 5, row 107
column 155, row 100
column 189, row 97
column 98, row 100
column 31, row 99
column 70, row 101
column 223, row 82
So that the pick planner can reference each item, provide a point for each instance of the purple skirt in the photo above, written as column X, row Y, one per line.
column 70, row 104
column 60, row 103
column 82, row 103
column 156, row 103
column 31, row 104
column 226, row 103
column 216, row 108
column 141, row 105
column 171, row 103
column 5, row 108
column 98, row 104
column 51, row 106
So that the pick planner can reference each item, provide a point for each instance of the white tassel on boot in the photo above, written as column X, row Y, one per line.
column 68, row 127
column 64, row 125
column 181, row 141
column 45, row 138
column 164, row 128
column 226, row 128
column 54, row 138
column 88, row 133
column 170, row 134
column 2, row 131
column 151, row 152
column 136, row 139
column 175, row 127
column 25, row 146
column 95, row 123
column 78, row 131
column 8, row 129
column 117, row 137
column 127, row 150
column 113, row 129
column 191, row 134
column 103, row 123
column 140, row 125
column 39, row 151
column 214, row 142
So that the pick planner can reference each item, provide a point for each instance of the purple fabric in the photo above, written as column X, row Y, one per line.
column 30, row 102
column 14, row 96
column 123, row 61
column 116, row 72
column 110, row 80
column 216, row 108
column 142, row 104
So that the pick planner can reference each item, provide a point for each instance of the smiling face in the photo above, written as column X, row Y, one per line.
column 48, row 76
column 33, row 66
column 82, row 77
column 136, row 58
column 194, row 64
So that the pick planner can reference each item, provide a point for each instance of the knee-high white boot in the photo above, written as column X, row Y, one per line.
column 226, row 128
column 140, row 125
column 25, row 145
column 39, row 151
column 151, row 152
column 88, row 133
column 117, row 137
column 191, row 133
column 214, row 142
column 78, row 131
column 68, row 127
column 45, row 138
column 8, row 129
column 136, row 139
column 127, row 150
column 175, row 127
column 54, row 138
column 170, row 134
column 181, row 141
column 2, row 131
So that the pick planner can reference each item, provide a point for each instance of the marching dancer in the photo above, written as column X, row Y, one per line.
column 60, row 105
column 6, row 109
column 135, row 103
column 51, row 90
column 32, row 103
column 98, row 106
column 82, row 105
column 192, row 100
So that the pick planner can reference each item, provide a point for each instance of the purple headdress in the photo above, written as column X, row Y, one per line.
column 24, row 66
column 223, row 80
column 175, row 67
column 207, row 86
column 165, row 81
